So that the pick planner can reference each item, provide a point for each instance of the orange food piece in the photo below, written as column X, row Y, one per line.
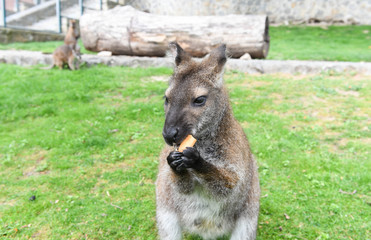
column 189, row 141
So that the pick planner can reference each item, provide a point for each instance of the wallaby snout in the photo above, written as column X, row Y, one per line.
column 170, row 134
column 175, row 128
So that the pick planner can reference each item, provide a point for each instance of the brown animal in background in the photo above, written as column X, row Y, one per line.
column 211, row 189
column 72, row 34
column 65, row 54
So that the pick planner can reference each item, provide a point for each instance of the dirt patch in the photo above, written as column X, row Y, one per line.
column 330, row 134
column 292, row 77
column 118, row 96
column 366, row 141
column 256, row 84
column 163, row 78
column 343, row 142
column 39, row 165
column 10, row 202
column 42, row 233
column 37, row 156
column 33, row 171
column 277, row 98
column 347, row 93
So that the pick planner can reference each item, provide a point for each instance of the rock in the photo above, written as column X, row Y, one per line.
column 105, row 54
column 246, row 56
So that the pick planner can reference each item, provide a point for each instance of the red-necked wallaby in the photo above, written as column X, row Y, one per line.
column 65, row 54
column 72, row 34
column 211, row 189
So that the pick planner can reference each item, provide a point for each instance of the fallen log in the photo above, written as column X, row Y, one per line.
column 127, row 31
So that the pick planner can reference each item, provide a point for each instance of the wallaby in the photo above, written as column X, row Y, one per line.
column 72, row 34
column 211, row 189
column 65, row 54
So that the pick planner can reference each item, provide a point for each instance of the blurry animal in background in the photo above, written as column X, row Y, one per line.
column 69, row 53
column 65, row 54
column 72, row 34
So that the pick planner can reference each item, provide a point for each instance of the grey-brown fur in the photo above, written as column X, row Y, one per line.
column 213, row 188
column 69, row 53
column 72, row 35
column 65, row 54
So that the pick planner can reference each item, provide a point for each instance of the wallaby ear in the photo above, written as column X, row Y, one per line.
column 179, row 54
column 215, row 62
column 217, row 58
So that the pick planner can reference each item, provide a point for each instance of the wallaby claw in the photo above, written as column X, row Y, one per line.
column 175, row 161
column 191, row 158
column 191, row 153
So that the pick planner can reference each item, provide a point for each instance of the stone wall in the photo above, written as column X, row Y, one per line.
column 279, row 12
column 9, row 35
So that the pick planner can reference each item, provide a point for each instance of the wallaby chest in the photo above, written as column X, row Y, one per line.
column 203, row 215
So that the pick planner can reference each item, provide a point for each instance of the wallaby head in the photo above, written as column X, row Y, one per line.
column 74, row 29
column 196, row 98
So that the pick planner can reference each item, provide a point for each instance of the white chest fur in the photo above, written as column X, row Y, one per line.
column 204, row 216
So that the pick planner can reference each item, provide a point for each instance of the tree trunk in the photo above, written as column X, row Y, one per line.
column 127, row 31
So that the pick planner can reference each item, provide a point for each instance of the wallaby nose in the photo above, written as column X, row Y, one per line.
column 170, row 134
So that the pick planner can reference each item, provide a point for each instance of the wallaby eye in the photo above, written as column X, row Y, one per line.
column 166, row 100
column 200, row 101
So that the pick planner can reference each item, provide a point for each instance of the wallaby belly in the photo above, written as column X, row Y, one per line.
column 205, row 216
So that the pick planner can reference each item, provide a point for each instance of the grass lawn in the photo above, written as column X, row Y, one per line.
column 86, row 143
column 335, row 43
column 45, row 47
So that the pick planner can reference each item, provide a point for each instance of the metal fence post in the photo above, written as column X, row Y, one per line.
column 100, row 5
column 3, row 12
column 17, row 5
column 58, row 13
column 81, row 4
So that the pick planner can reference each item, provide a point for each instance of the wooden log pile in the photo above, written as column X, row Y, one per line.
column 127, row 31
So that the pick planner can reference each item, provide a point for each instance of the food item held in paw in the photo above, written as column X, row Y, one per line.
column 189, row 141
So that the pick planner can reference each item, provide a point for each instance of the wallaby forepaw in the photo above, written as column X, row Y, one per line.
column 191, row 158
column 175, row 161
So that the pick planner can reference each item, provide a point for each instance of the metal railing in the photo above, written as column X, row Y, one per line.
column 3, row 12
column 58, row 11
column 82, row 7
column 16, row 8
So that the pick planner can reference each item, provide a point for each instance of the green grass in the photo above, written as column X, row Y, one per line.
column 45, row 47
column 333, row 43
column 86, row 144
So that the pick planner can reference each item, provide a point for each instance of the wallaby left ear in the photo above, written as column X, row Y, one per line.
column 218, row 58
column 179, row 54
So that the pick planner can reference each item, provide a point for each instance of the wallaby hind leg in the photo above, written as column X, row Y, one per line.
column 246, row 227
column 168, row 226
column 58, row 63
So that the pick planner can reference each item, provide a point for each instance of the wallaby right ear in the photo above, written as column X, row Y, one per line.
column 179, row 54
column 217, row 58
